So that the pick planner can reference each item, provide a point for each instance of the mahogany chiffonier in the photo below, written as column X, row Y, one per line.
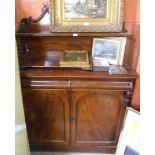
column 70, row 109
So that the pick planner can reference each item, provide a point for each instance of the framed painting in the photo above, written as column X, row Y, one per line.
column 86, row 15
column 130, row 137
column 112, row 49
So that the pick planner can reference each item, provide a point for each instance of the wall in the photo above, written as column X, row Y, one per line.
column 132, row 24
column 25, row 8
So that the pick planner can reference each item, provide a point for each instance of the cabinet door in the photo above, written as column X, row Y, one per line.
column 47, row 115
column 97, row 117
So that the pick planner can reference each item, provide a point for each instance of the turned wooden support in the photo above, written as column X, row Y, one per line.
column 127, row 98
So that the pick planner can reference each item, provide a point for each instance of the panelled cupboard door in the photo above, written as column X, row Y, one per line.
column 47, row 115
column 97, row 116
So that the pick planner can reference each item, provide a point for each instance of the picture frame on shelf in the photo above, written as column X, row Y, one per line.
column 112, row 49
column 86, row 15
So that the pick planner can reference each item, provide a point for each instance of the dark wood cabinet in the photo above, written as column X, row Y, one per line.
column 75, row 113
column 70, row 109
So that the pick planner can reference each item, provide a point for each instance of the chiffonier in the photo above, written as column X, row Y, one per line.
column 70, row 109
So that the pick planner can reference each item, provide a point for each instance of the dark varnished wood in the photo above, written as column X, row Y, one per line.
column 96, row 117
column 82, row 84
column 41, row 59
column 44, row 104
column 47, row 115
column 38, row 40
column 127, row 98
column 110, row 85
column 46, row 33
column 76, row 74
column 36, row 50
column 96, row 111
column 70, row 109
column 57, row 148
column 56, row 84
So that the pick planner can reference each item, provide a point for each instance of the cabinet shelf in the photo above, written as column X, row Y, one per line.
column 45, row 60
column 48, row 34
column 42, row 60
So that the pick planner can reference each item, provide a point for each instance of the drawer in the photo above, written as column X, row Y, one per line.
column 78, row 84
column 114, row 85
column 57, row 84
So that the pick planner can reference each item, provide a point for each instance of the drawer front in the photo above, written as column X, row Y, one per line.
column 57, row 84
column 109, row 85
column 78, row 84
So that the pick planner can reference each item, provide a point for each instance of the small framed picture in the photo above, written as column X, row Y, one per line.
column 111, row 48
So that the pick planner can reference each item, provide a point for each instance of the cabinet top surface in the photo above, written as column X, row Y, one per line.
column 75, row 74
column 47, row 33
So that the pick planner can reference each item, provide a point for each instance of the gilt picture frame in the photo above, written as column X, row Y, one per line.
column 86, row 15
column 112, row 49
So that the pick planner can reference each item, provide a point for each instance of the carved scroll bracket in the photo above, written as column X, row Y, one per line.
column 22, row 46
column 25, row 22
column 127, row 98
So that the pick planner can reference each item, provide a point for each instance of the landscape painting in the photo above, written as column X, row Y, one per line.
column 106, row 49
column 75, row 9
column 111, row 49
column 86, row 15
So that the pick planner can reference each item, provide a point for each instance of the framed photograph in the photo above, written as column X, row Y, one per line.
column 111, row 49
column 86, row 15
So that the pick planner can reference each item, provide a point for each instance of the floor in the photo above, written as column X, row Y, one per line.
column 58, row 153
